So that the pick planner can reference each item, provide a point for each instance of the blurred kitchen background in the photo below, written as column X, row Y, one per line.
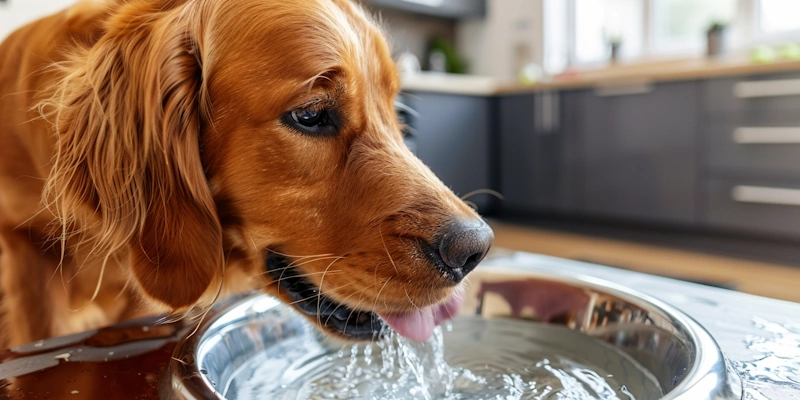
column 656, row 135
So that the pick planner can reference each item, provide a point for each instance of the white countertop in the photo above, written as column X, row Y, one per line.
column 471, row 85
column 624, row 74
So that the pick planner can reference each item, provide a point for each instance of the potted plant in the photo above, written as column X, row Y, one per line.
column 715, row 39
column 615, row 45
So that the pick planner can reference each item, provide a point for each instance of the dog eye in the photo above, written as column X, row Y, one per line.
column 311, row 120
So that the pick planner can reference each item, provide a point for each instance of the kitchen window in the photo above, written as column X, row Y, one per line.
column 778, row 16
column 597, row 22
column 680, row 25
column 578, row 32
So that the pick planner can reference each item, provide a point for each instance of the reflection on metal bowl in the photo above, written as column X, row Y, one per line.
column 671, row 349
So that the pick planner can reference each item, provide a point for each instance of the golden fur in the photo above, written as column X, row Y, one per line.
column 144, row 166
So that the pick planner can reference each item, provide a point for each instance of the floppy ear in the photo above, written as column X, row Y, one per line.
column 128, row 112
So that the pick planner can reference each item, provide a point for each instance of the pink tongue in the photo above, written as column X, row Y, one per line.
column 418, row 325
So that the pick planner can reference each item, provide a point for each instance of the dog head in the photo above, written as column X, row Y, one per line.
column 215, row 140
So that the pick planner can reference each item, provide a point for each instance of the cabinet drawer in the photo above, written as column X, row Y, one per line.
column 775, row 93
column 753, row 150
column 754, row 207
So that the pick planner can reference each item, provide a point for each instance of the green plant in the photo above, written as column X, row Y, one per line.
column 717, row 27
column 455, row 64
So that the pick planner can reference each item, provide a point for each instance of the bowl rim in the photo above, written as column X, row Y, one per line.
column 709, row 377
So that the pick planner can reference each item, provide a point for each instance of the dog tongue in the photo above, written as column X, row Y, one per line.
column 418, row 325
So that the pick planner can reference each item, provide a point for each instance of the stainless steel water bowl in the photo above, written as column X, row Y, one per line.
column 681, row 355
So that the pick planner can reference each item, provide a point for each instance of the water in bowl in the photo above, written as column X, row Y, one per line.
column 473, row 358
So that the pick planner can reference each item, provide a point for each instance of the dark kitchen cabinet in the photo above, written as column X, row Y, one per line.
column 640, row 147
column 539, row 152
column 453, row 140
column 718, row 154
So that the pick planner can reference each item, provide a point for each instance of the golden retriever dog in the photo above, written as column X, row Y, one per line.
column 158, row 154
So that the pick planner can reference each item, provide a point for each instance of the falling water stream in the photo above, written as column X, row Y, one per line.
column 471, row 358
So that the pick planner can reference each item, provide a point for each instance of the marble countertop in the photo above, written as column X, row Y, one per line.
column 759, row 336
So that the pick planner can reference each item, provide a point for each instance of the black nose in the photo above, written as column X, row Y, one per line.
column 462, row 245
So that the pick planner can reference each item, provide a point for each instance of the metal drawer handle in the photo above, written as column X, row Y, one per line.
column 624, row 89
column 766, row 195
column 776, row 88
column 429, row 3
column 766, row 135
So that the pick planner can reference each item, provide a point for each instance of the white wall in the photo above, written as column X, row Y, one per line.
column 16, row 13
column 510, row 35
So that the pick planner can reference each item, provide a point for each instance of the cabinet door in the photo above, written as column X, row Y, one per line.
column 539, row 151
column 453, row 140
column 640, row 152
column 516, row 122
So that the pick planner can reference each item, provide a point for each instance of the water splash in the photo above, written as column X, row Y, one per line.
column 775, row 374
column 504, row 360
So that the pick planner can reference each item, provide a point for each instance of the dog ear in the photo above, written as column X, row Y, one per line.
column 128, row 113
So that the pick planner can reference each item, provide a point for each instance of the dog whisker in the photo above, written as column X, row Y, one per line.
column 482, row 191
column 295, row 264
column 307, row 274
column 471, row 205
column 295, row 257
column 322, row 281
column 316, row 295
column 352, row 310
column 380, row 231
column 409, row 298
column 380, row 291
column 341, row 303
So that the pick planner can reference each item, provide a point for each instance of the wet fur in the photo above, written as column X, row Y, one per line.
column 144, row 167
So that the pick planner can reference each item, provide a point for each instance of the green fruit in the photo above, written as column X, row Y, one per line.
column 763, row 54
column 790, row 51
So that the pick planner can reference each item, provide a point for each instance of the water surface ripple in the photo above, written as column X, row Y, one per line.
column 473, row 358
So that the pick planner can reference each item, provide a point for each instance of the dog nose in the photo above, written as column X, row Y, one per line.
column 463, row 245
